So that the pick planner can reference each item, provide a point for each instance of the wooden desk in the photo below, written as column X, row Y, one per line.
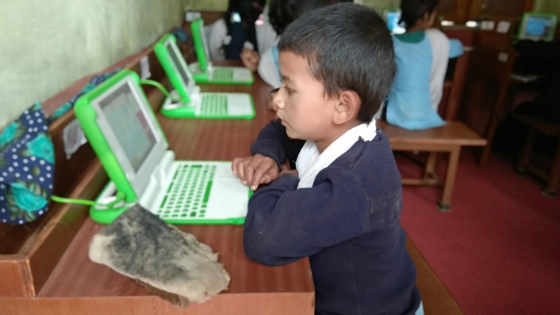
column 78, row 286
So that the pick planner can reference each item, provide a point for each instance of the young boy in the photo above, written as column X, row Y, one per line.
column 421, row 54
column 341, row 207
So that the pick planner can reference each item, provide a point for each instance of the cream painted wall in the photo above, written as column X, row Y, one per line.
column 548, row 6
column 47, row 45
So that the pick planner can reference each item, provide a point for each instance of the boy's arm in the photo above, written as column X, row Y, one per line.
column 455, row 48
column 285, row 224
column 275, row 143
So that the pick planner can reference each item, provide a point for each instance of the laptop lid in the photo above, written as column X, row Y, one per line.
column 537, row 26
column 123, row 131
column 175, row 66
column 200, row 44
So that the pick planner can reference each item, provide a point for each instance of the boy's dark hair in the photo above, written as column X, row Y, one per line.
column 347, row 47
column 414, row 10
column 283, row 12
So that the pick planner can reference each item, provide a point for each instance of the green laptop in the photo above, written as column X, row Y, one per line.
column 537, row 26
column 186, row 101
column 124, row 133
column 205, row 72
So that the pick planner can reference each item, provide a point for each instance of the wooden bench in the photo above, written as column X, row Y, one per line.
column 447, row 139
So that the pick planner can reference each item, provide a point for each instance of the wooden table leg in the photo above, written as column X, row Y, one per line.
column 497, row 112
column 454, row 154
column 430, row 169
column 527, row 151
column 554, row 179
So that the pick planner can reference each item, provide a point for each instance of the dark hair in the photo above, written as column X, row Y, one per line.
column 283, row 12
column 248, row 10
column 347, row 47
column 414, row 10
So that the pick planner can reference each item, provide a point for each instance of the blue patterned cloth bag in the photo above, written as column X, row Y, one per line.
column 181, row 35
column 26, row 168
column 27, row 161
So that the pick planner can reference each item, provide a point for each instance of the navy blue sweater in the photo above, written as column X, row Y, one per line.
column 348, row 224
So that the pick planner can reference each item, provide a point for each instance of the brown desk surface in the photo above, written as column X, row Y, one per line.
column 77, row 285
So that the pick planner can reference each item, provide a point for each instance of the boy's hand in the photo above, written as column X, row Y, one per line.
column 255, row 170
column 286, row 170
column 250, row 58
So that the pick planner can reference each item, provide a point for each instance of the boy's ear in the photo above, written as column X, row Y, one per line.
column 432, row 18
column 347, row 107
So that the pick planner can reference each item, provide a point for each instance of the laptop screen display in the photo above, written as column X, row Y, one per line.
column 129, row 124
column 538, row 26
column 177, row 63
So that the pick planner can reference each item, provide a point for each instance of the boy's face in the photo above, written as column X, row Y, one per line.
column 303, row 106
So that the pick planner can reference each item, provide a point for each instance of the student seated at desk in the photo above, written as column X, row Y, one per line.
column 227, row 36
column 341, row 206
column 281, row 14
column 422, row 55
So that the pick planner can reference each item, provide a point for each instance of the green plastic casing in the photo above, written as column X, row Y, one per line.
column 162, row 54
column 188, row 112
column 197, row 30
column 87, row 116
column 203, row 77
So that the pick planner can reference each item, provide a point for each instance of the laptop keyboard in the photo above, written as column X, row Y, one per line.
column 214, row 105
column 188, row 193
column 222, row 74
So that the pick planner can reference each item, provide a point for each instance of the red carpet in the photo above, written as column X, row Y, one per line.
column 498, row 250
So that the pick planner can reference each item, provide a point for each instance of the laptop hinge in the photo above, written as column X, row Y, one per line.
column 158, row 180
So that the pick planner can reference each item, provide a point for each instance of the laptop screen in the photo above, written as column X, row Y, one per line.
column 129, row 125
column 177, row 63
column 538, row 26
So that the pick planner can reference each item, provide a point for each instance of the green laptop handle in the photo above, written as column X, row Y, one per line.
column 197, row 29
column 87, row 117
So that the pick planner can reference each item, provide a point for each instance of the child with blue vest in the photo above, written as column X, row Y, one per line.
column 341, row 204
column 281, row 14
column 422, row 54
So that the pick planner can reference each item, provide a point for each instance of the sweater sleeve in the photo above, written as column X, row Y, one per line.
column 285, row 224
column 275, row 143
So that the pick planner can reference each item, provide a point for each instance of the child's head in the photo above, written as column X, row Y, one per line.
column 248, row 11
column 418, row 14
column 344, row 54
column 284, row 12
